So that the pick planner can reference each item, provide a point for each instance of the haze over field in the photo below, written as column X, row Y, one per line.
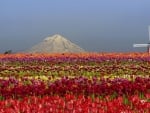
column 95, row 25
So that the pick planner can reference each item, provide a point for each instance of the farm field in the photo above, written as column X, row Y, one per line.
column 75, row 83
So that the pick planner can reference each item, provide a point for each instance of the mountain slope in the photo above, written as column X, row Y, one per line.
column 55, row 44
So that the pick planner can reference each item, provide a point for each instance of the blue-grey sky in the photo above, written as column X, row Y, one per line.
column 95, row 25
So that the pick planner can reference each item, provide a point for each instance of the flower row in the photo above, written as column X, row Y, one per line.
column 13, row 88
column 71, row 58
column 75, row 70
column 72, row 104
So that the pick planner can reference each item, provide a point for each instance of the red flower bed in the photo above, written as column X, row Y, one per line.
column 72, row 104
column 13, row 88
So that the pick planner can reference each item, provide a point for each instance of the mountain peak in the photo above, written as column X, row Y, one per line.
column 56, row 36
column 55, row 44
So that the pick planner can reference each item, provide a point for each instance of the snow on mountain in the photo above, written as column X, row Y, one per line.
column 55, row 44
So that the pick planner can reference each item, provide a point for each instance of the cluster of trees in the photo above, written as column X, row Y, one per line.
column 8, row 52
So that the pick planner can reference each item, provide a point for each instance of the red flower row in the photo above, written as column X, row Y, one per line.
column 72, row 104
column 79, row 85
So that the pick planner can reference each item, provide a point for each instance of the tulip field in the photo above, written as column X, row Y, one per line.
column 75, row 83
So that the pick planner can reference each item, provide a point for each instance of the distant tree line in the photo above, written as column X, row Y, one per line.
column 8, row 52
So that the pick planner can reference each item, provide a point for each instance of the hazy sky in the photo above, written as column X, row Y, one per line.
column 95, row 25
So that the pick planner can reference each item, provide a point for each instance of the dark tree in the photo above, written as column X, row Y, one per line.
column 8, row 52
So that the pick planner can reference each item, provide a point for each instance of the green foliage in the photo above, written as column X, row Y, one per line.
column 1, row 97
column 113, row 96
column 125, row 100
column 141, row 95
